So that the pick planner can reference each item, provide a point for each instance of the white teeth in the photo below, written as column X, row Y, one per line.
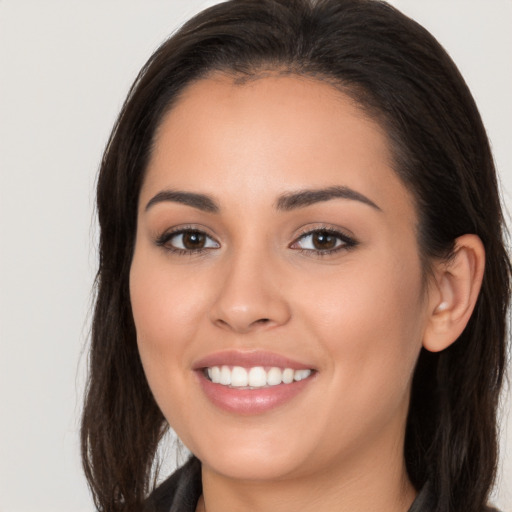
column 225, row 376
column 274, row 376
column 239, row 377
column 288, row 375
column 215, row 374
column 255, row 377
column 301, row 374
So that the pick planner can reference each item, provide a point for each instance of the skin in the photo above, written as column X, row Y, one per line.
column 358, row 316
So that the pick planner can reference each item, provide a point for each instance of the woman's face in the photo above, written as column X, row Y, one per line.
column 276, row 243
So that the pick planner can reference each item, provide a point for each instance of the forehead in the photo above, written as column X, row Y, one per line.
column 271, row 134
column 307, row 116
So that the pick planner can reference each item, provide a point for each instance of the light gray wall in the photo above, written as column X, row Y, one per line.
column 65, row 67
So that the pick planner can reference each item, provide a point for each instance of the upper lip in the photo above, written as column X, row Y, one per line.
column 248, row 359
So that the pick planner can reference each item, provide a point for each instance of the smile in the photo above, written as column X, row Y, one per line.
column 256, row 377
column 253, row 382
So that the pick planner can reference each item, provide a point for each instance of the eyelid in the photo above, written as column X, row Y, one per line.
column 348, row 241
column 164, row 239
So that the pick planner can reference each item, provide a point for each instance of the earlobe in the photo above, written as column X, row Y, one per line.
column 454, row 294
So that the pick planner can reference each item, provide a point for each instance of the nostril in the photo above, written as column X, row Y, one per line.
column 262, row 321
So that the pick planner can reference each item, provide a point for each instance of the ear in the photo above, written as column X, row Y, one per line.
column 453, row 294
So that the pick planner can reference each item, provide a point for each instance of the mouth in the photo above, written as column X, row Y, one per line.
column 249, row 383
column 255, row 377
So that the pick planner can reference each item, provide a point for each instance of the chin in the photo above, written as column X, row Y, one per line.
column 251, row 457
column 260, row 466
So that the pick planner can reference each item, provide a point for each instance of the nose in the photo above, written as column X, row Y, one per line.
column 251, row 295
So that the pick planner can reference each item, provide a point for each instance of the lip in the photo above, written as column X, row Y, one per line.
column 250, row 401
column 249, row 359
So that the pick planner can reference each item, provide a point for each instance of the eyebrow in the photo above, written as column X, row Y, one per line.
column 199, row 201
column 285, row 202
column 303, row 198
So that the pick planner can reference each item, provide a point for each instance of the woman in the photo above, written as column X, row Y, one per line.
column 302, row 270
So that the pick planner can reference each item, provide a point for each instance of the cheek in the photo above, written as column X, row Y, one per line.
column 166, row 308
column 163, row 301
column 371, row 327
column 371, row 323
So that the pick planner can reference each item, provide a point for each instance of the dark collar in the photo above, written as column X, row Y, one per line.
column 181, row 491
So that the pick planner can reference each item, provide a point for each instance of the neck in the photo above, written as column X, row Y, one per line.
column 376, row 482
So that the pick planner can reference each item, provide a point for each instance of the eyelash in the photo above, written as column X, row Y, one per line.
column 164, row 239
column 347, row 242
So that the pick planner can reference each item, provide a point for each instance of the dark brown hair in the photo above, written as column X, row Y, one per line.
column 401, row 76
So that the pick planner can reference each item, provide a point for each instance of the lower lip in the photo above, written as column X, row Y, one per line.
column 251, row 401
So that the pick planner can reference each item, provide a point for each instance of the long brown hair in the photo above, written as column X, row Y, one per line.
column 398, row 73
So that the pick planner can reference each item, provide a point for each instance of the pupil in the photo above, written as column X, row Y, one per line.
column 324, row 240
column 193, row 240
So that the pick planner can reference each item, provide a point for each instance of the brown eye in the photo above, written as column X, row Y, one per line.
column 323, row 240
column 193, row 240
column 187, row 241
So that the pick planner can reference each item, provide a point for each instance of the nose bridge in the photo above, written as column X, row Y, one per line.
column 250, row 296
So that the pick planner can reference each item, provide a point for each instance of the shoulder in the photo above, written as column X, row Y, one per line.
column 179, row 492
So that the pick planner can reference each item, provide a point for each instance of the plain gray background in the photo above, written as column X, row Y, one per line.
column 65, row 68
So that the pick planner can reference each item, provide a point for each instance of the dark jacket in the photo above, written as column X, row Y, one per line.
column 181, row 491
